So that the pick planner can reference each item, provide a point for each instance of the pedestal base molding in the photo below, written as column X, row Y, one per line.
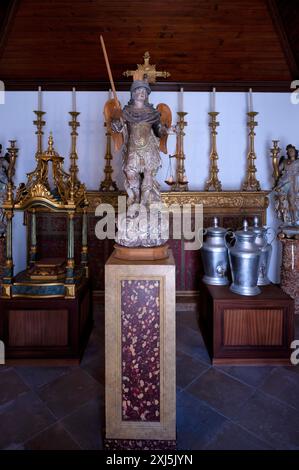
column 133, row 444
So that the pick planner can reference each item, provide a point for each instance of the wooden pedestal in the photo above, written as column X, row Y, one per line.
column 46, row 331
column 247, row 330
column 140, row 354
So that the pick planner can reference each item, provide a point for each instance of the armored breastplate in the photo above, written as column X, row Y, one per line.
column 139, row 134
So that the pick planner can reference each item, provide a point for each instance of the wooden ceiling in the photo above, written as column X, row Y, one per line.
column 229, row 44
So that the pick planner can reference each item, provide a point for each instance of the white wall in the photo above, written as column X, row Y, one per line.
column 277, row 119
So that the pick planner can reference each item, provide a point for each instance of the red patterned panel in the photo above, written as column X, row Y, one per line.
column 140, row 324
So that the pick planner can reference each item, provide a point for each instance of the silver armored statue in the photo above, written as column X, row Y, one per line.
column 140, row 131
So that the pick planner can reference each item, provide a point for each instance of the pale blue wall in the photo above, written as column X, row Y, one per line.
column 278, row 119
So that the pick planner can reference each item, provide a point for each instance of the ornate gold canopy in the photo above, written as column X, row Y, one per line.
column 49, row 185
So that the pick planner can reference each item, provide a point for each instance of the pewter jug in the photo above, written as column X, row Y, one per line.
column 214, row 255
column 244, row 257
column 266, row 250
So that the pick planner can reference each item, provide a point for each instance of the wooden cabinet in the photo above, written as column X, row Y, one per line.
column 247, row 330
column 46, row 330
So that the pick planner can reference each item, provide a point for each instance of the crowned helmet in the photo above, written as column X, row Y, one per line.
column 140, row 81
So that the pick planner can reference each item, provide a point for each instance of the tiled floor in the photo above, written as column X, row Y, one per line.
column 217, row 407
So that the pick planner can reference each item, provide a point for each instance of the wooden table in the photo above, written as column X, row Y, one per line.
column 247, row 330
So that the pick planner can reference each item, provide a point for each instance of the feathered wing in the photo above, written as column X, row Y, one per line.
column 113, row 111
column 166, row 120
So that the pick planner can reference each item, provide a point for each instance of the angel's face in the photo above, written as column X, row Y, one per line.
column 139, row 95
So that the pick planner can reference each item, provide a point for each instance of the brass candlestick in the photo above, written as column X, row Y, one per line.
column 39, row 123
column 251, row 183
column 108, row 184
column 275, row 151
column 74, row 157
column 13, row 153
column 181, row 179
column 213, row 183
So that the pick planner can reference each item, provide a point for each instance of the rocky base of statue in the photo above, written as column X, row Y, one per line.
column 142, row 227
column 289, row 279
column 289, row 231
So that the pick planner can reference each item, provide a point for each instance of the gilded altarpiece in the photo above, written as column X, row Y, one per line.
column 230, row 206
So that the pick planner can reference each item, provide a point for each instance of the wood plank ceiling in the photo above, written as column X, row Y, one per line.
column 229, row 44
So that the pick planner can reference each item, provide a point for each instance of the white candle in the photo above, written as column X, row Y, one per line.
column 250, row 103
column 181, row 100
column 214, row 100
column 110, row 94
column 74, row 99
column 39, row 99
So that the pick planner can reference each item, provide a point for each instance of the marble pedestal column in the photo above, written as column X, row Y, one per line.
column 289, row 276
column 2, row 256
column 140, row 354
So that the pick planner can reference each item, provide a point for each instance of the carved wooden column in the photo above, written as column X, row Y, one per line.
column 33, row 241
column 70, row 280
column 84, row 250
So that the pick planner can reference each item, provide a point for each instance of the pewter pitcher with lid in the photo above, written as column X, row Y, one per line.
column 214, row 255
column 266, row 250
column 244, row 258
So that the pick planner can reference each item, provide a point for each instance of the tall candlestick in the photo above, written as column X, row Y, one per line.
column 213, row 100
column 74, row 100
column 181, row 100
column 250, row 102
column 39, row 99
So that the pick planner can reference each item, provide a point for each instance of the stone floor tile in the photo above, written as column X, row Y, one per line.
column 188, row 368
column 191, row 342
column 284, row 385
column 197, row 423
column 95, row 349
column 23, row 418
column 68, row 392
column 188, row 318
column 11, row 385
column 86, row 425
column 53, row 438
column 271, row 421
column 251, row 375
column 95, row 368
column 233, row 437
column 220, row 391
column 38, row 376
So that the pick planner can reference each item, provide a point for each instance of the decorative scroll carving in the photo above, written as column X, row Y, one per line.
column 222, row 200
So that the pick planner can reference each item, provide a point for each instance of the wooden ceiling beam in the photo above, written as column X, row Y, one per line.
column 10, row 10
column 292, row 61
column 96, row 85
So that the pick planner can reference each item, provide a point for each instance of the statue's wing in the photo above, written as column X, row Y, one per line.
column 166, row 119
column 113, row 111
